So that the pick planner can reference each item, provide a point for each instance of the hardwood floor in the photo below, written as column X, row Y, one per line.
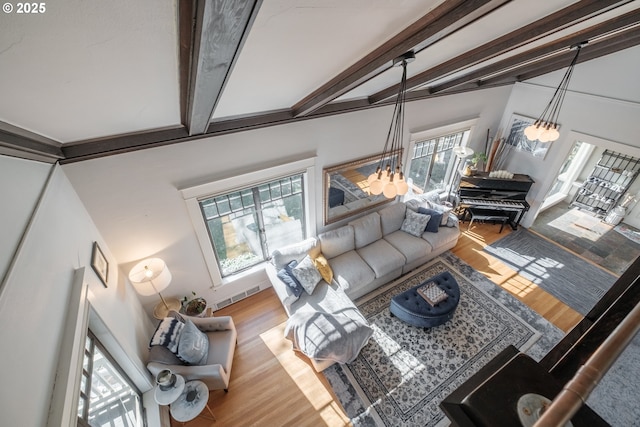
column 273, row 386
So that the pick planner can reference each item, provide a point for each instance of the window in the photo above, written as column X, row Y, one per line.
column 246, row 225
column 432, row 161
column 107, row 396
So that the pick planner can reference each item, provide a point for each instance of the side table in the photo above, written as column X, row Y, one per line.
column 168, row 395
column 191, row 402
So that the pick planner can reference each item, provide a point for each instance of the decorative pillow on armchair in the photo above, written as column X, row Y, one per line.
column 167, row 334
column 193, row 347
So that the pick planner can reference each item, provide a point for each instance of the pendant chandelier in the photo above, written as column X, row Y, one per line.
column 388, row 178
column 545, row 129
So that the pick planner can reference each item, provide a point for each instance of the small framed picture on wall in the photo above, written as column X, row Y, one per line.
column 99, row 263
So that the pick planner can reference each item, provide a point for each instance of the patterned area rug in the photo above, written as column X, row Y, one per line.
column 404, row 372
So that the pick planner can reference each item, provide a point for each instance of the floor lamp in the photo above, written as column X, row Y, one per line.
column 460, row 153
column 152, row 276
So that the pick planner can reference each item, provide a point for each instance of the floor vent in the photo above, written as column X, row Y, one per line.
column 224, row 303
column 253, row 290
column 240, row 296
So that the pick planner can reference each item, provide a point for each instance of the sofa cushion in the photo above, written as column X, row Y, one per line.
column 307, row 274
column 410, row 246
column 338, row 241
column 193, row 347
column 415, row 204
column 366, row 229
column 391, row 217
column 414, row 223
column 282, row 256
column 442, row 237
column 161, row 354
column 434, row 222
column 351, row 271
column 382, row 257
column 322, row 265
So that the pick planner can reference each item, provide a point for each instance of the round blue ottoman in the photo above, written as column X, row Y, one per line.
column 411, row 308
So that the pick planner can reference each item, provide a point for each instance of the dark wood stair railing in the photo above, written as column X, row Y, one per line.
column 489, row 397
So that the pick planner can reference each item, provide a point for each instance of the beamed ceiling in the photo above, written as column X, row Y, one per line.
column 82, row 81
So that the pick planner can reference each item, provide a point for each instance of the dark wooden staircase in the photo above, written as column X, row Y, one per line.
column 490, row 397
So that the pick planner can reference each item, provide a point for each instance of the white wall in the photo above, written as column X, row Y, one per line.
column 134, row 198
column 594, row 106
column 22, row 182
column 33, row 301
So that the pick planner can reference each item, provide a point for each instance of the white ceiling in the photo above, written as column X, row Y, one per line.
column 84, row 70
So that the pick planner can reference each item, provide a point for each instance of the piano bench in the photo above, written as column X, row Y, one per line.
column 478, row 214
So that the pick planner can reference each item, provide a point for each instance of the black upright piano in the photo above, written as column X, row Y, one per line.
column 502, row 195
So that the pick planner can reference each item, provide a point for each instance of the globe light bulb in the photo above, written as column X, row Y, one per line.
column 390, row 190
column 376, row 187
column 402, row 186
column 531, row 132
column 385, row 178
column 554, row 134
column 373, row 176
column 545, row 135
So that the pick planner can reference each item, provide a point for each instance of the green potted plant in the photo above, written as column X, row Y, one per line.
column 195, row 306
column 478, row 158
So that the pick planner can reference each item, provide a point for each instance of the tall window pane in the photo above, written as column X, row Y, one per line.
column 245, row 226
column 107, row 396
column 432, row 162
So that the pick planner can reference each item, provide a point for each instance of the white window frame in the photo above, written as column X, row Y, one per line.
column 440, row 131
column 193, row 195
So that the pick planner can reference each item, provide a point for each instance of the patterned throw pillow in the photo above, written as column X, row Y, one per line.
column 167, row 334
column 414, row 223
column 323, row 267
column 193, row 347
column 307, row 274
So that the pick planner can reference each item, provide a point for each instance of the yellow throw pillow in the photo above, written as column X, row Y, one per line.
column 322, row 265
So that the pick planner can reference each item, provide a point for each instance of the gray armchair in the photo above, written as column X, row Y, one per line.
column 222, row 344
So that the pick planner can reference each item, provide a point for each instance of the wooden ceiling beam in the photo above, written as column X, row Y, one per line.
column 101, row 147
column 18, row 142
column 594, row 50
column 561, row 19
column 538, row 53
column 444, row 20
column 144, row 140
column 221, row 28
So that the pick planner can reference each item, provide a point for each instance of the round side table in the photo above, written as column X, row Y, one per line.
column 167, row 397
column 191, row 402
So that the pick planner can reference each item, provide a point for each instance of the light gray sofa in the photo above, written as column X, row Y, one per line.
column 364, row 254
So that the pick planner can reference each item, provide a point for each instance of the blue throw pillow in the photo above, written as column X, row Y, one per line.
column 286, row 275
column 434, row 221
column 193, row 347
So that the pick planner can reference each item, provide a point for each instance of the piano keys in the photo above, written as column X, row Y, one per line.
column 499, row 194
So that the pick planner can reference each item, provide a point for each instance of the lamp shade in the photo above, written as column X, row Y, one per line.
column 150, row 276
column 462, row 152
